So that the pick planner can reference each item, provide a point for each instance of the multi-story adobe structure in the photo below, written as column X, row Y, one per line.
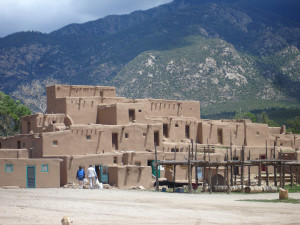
column 90, row 125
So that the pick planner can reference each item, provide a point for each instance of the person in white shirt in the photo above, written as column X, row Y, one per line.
column 91, row 174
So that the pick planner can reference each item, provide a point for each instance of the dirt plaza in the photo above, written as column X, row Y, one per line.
column 48, row 206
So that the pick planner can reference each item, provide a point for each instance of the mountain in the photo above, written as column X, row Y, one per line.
column 225, row 53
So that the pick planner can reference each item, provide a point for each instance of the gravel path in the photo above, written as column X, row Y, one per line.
column 48, row 206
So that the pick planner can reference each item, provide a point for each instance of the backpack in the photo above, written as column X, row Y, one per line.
column 80, row 174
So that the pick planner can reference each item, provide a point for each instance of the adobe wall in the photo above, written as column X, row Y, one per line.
column 257, row 134
column 13, row 153
column 160, row 107
column 39, row 123
column 60, row 91
column 49, row 179
column 72, row 163
column 33, row 143
column 80, row 140
column 129, row 176
column 218, row 132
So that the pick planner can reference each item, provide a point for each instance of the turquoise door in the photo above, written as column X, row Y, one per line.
column 30, row 175
column 154, row 170
column 104, row 174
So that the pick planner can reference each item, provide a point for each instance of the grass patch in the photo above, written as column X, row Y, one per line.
column 290, row 200
column 294, row 189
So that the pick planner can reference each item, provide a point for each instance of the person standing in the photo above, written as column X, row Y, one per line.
column 80, row 175
column 91, row 174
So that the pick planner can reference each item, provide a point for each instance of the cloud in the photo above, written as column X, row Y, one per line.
column 49, row 15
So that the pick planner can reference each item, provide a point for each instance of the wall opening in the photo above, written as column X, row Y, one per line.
column 101, row 93
column 115, row 141
column 19, row 144
column 28, row 127
column 263, row 168
column 131, row 113
column 235, row 168
column 166, row 130
column 187, row 131
column 156, row 138
column 220, row 136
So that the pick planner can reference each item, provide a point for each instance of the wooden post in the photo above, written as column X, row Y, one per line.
column 231, row 167
column 156, row 169
column 259, row 174
column 196, row 171
column 249, row 170
column 204, row 172
column 227, row 179
column 283, row 175
column 192, row 149
column 174, row 171
column 292, row 177
column 280, row 175
column 243, row 162
column 267, row 169
column 297, row 181
column 235, row 173
column 189, row 172
column 217, row 178
column 275, row 166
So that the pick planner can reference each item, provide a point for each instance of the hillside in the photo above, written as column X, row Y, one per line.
column 225, row 53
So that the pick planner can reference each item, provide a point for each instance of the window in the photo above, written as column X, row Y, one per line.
column 115, row 160
column 140, row 110
column 131, row 115
column 187, row 131
column 8, row 168
column 176, row 124
column 166, row 130
column 44, row 168
column 88, row 137
column 144, row 134
column 126, row 135
column 19, row 144
column 156, row 138
column 55, row 142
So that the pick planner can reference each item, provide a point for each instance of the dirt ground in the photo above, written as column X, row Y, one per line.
column 48, row 206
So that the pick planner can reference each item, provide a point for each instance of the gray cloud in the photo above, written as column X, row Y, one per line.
column 49, row 15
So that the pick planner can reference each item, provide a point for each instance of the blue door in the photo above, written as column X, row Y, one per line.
column 104, row 174
column 30, row 175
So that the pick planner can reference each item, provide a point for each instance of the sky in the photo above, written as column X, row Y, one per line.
column 49, row 15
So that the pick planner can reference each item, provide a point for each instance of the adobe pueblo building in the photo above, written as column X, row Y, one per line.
column 90, row 125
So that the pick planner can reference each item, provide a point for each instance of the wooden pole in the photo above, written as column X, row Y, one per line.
column 227, row 179
column 189, row 172
column 297, row 181
column 291, row 176
column 196, row 171
column 231, row 167
column 243, row 162
column 267, row 170
column 235, row 167
column 283, row 175
column 174, row 171
column 275, row 166
column 249, row 170
column 204, row 172
column 259, row 174
column 156, row 169
column 281, row 172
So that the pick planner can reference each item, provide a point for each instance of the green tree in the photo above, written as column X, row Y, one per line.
column 264, row 118
column 245, row 115
column 294, row 125
column 11, row 112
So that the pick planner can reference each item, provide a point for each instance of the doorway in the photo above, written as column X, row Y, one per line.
column 30, row 176
column 131, row 113
column 102, row 173
column 156, row 138
column 166, row 130
column 115, row 141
